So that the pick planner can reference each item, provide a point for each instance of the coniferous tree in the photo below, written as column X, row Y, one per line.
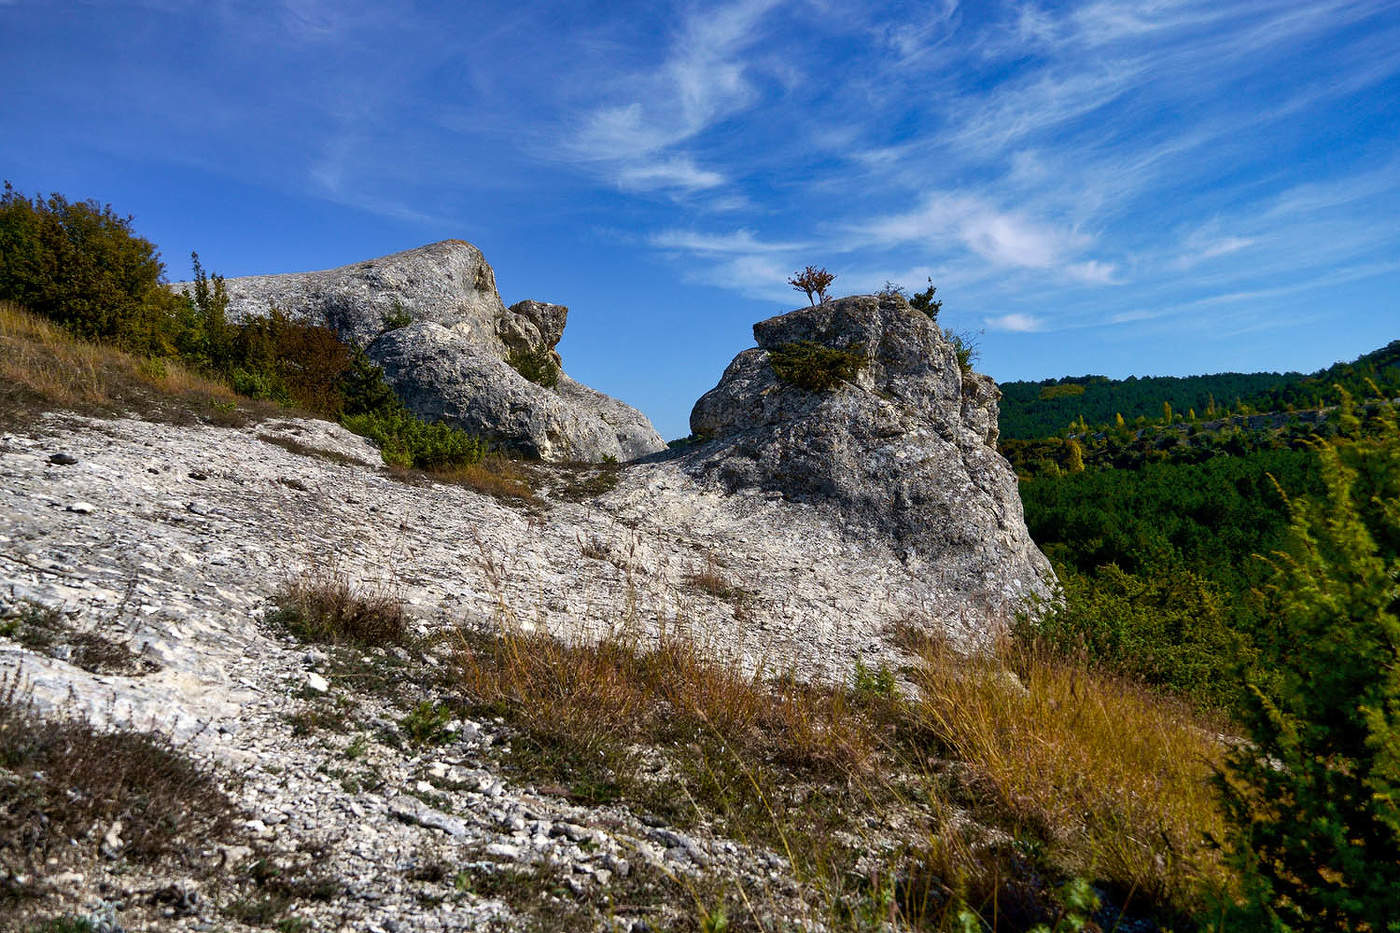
column 1313, row 799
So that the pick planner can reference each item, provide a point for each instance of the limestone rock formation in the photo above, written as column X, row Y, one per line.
column 443, row 373
column 450, row 361
column 904, row 451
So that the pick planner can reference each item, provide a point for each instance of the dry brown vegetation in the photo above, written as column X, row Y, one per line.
column 324, row 607
column 43, row 367
column 65, row 784
column 1112, row 779
column 494, row 475
column 1007, row 775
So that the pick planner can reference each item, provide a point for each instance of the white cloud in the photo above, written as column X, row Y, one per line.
column 739, row 242
column 704, row 79
column 1093, row 272
column 677, row 172
column 1015, row 323
column 1002, row 237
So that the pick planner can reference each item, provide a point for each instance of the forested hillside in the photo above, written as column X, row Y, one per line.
column 1032, row 410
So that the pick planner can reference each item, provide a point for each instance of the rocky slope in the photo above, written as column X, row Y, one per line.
column 832, row 520
column 450, row 361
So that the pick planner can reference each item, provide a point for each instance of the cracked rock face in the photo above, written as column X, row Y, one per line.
column 450, row 361
column 443, row 374
column 905, row 451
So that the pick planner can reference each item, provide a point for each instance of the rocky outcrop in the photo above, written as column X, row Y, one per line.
column 905, row 451
column 444, row 374
column 433, row 319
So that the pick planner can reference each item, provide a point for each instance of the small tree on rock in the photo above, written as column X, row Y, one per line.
column 813, row 282
column 925, row 302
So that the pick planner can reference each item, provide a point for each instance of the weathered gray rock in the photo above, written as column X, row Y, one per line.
column 906, row 451
column 442, row 373
column 447, row 293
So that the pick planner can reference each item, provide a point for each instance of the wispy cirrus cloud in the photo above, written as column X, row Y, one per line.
column 704, row 78
column 1005, row 238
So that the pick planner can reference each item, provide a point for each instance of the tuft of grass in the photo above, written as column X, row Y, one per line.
column 63, row 777
column 710, row 580
column 1112, row 780
column 44, row 367
column 327, row 609
column 582, row 703
column 817, row 368
column 494, row 475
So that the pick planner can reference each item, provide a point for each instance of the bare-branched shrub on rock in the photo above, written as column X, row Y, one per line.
column 812, row 282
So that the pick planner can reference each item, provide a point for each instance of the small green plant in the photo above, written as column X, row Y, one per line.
column 714, row 921
column 814, row 367
column 427, row 723
column 1077, row 903
column 537, row 366
column 878, row 683
column 813, row 282
column 393, row 320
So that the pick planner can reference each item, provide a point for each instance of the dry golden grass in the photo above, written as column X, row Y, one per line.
column 326, row 608
column 595, row 694
column 43, row 367
column 495, row 476
column 1002, row 788
column 1114, row 779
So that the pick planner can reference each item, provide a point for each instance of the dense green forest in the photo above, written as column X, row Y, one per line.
column 1031, row 410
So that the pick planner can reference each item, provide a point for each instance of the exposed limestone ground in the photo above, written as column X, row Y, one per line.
column 171, row 540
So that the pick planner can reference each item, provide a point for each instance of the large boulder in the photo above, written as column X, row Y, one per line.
column 444, row 374
column 903, row 449
column 432, row 318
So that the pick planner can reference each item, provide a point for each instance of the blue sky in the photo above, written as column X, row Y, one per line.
column 1151, row 187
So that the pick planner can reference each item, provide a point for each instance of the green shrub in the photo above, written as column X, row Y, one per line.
column 426, row 724
column 393, row 320
column 80, row 264
column 925, row 302
column 1171, row 628
column 1313, row 799
column 965, row 349
column 814, row 367
column 538, row 366
column 407, row 441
